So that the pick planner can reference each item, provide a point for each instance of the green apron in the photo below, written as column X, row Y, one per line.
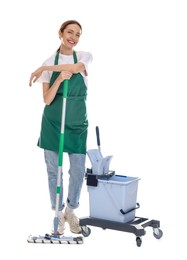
column 76, row 123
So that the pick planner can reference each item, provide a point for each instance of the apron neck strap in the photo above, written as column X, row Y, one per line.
column 56, row 58
column 75, row 57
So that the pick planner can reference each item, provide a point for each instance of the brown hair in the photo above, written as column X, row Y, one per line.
column 65, row 24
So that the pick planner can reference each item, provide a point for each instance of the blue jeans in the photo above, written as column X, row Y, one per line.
column 76, row 177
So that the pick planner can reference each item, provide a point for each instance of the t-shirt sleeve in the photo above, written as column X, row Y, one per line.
column 45, row 77
column 85, row 58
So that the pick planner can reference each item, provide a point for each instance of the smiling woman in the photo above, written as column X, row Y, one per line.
column 65, row 64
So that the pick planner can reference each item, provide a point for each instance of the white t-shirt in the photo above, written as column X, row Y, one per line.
column 84, row 57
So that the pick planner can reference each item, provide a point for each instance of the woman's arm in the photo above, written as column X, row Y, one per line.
column 49, row 93
column 72, row 68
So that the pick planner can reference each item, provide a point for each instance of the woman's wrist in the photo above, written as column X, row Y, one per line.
column 59, row 79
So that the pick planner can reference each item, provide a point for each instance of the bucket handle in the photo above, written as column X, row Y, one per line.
column 125, row 212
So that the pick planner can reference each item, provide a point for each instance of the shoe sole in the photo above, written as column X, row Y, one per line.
column 80, row 232
column 57, row 233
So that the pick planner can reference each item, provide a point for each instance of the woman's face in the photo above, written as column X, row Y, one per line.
column 70, row 36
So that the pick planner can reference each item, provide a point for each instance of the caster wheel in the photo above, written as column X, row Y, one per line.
column 86, row 231
column 138, row 241
column 157, row 233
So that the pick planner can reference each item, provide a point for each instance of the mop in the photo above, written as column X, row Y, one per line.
column 55, row 238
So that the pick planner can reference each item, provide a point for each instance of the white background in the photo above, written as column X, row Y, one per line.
column 137, row 96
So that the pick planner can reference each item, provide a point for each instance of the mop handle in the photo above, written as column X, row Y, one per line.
column 61, row 142
column 60, row 155
column 98, row 137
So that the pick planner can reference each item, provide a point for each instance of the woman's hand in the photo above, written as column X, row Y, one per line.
column 35, row 75
column 64, row 75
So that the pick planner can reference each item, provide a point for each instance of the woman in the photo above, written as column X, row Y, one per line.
column 65, row 64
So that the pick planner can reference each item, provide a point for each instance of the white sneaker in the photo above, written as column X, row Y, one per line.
column 73, row 222
column 61, row 224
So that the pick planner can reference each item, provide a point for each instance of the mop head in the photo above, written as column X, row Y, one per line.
column 55, row 239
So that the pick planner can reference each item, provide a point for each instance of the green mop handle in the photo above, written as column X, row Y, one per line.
column 60, row 154
column 61, row 143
